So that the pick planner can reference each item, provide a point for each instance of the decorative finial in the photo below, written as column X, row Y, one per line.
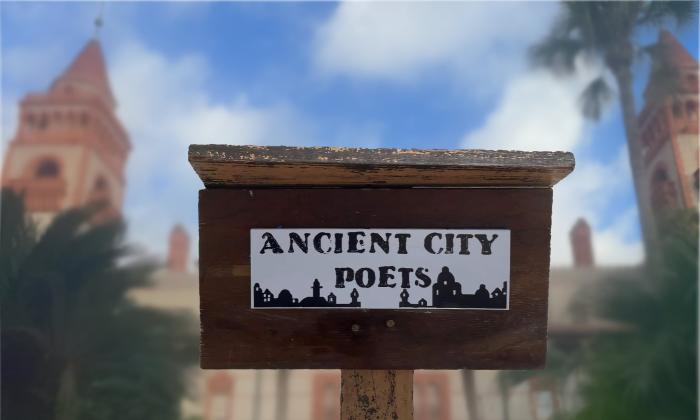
column 98, row 20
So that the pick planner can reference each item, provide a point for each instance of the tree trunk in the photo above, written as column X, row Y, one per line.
column 505, row 399
column 257, row 385
column 282, row 394
column 470, row 394
column 623, row 77
column 66, row 407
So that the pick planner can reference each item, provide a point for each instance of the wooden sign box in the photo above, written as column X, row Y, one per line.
column 250, row 187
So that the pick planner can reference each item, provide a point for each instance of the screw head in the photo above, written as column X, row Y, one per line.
column 355, row 328
column 390, row 323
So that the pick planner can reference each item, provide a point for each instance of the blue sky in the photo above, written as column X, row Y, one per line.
column 352, row 74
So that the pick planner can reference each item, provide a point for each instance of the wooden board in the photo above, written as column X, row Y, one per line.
column 275, row 166
column 236, row 336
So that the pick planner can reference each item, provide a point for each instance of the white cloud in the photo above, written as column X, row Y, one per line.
column 481, row 42
column 165, row 105
column 587, row 193
column 610, row 246
column 540, row 111
column 9, row 115
column 8, row 126
column 30, row 66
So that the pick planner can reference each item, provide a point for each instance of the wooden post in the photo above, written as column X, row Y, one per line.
column 376, row 394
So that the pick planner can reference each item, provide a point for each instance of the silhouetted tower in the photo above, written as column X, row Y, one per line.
column 317, row 288
column 581, row 246
column 354, row 295
column 70, row 148
column 668, row 131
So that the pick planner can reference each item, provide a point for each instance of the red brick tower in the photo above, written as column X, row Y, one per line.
column 178, row 250
column 69, row 148
column 581, row 244
column 668, row 130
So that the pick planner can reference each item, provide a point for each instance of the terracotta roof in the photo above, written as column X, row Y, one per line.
column 678, row 54
column 673, row 55
column 89, row 68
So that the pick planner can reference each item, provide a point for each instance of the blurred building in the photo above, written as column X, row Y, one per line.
column 438, row 395
column 69, row 149
column 669, row 130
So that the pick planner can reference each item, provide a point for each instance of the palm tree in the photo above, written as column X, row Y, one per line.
column 74, row 346
column 605, row 31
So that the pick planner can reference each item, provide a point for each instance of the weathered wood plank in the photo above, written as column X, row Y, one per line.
column 281, row 166
column 376, row 395
column 236, row 336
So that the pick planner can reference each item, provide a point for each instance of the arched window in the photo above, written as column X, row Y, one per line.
column 677, row 110
column 431, row 396
column 47, row 168
column 43, row 121
column 218, row 398
column 326, row 404
column 691, row 108
column 663, row 190
column 100, row 184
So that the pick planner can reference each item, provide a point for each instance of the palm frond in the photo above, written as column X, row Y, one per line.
column 657, row 13
column 557, row 53
column 595, row 97
column 71, row 309
column 17, row 238
column 648, row 372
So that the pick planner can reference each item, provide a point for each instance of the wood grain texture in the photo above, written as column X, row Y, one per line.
column 376, row 395
column 236, row 336
column 281, row 166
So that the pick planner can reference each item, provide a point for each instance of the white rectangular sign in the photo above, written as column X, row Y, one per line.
column 380, row 268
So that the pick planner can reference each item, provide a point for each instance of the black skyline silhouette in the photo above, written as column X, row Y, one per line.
column 447, row 293
column 266, row 299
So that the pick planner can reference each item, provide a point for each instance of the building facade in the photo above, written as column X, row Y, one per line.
column 668, row 131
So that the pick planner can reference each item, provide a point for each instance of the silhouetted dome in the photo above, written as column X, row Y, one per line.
column 285, row 298
column 313, row 301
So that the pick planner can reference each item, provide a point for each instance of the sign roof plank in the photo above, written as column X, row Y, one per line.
column 282, row 166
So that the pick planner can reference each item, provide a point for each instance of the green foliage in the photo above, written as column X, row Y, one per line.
column 649, row 371
column 562, row 362
column 74, row 346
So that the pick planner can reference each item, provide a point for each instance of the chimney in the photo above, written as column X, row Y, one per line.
column 178, row 250
column 581, row 245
